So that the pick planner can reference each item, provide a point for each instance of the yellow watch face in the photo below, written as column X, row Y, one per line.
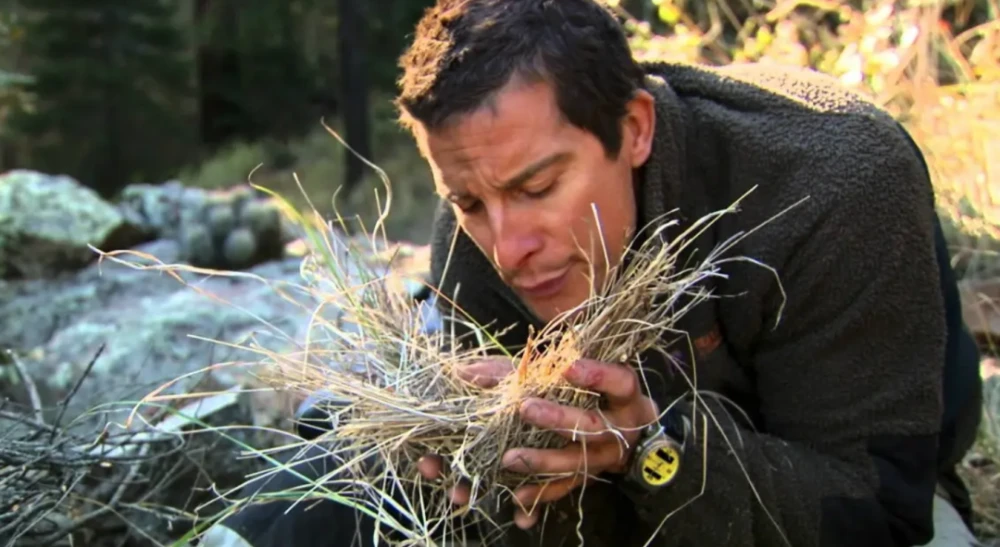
column 660, row 465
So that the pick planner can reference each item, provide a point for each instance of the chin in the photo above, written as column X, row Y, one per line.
column 571, row 296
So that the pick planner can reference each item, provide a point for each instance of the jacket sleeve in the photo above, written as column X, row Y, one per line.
column 848, row 380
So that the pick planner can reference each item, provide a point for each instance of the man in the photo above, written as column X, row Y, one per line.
column 838, row 387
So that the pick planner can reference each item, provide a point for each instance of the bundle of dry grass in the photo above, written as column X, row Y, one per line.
column 391, row 383
column 394, row 394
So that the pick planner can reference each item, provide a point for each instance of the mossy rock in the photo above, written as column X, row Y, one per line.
column 262, row 217
column 48, row 223
column 221, row 220
column 240, row 248
column 198, row 245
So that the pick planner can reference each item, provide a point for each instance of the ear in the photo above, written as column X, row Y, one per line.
column 639, row 122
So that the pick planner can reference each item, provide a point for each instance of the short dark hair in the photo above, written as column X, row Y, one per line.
column 464, row 51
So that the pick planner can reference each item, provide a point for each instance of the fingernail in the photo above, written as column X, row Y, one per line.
column 532, row 410
column 514, row 461
column 576, row 372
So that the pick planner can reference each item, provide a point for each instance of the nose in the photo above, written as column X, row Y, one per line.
column 515, row 238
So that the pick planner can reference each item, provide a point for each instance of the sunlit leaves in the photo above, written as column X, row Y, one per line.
column 941, row 81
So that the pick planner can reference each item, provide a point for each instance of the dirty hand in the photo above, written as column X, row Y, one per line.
column 600, row 440
column 596, row 437
column 486, row 373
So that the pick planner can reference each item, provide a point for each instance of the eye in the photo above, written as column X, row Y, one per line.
column 540, row 192
column 470, row 206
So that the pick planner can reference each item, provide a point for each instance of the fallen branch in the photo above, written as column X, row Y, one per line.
column 57, row 482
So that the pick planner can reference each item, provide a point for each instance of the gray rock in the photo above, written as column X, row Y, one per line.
column 240, row 247
column 33, row 311
column 221, row 220
column 162, row 209
column 173, row 211
column 159, row 332
column 156, row 330
column 47, row 223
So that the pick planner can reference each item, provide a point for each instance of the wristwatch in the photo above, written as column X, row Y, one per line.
column 656, row 460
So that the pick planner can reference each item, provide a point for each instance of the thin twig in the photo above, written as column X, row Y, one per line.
column 76, row 387
column 100, row 511
column 29, row 384
column 19, row 418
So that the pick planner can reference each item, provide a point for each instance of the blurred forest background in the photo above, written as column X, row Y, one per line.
column 114, row 92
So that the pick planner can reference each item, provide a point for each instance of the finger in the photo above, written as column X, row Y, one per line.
column 619, row 383
column 487, row 373
column 572, row 459
column 460, row 494
column 525, row 520
column 570, row 422
column 530, row 496
column 429, row 467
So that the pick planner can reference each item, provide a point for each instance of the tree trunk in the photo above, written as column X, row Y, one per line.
column 221, row 112
column 354, row 90
column 111, row 173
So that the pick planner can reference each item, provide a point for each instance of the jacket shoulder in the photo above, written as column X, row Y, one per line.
column 756, row 87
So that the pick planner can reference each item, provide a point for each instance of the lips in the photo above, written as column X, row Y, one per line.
column 544, row 287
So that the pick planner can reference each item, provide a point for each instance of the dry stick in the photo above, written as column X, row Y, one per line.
column 125, row 523
column 65, row 494
column 46, row 506
column 63, row 457
column 29, row 384
column 100, row 511
column 72, row 392
column 21, row 419
column 25, row 516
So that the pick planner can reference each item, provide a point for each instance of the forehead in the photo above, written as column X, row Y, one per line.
column 521, row 124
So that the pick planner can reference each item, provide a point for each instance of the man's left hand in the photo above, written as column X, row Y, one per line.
column 601, row 441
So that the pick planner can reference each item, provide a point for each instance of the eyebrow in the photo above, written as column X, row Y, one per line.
column 521, row 178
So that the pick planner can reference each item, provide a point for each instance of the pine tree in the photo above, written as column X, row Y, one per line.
column 111, row 89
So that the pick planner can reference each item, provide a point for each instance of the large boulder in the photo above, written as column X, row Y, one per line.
column 155, row 328
column 47, row 224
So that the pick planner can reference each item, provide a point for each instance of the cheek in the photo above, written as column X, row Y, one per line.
column 605, row 212
column 477, row 229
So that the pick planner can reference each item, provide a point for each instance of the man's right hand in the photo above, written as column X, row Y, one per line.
column 486, row 374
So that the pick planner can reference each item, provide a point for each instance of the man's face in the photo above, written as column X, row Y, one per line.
column 539, row 195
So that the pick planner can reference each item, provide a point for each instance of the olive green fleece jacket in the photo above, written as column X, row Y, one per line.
column 818, row 426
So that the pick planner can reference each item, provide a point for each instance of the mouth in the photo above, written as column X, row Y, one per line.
column 545, row 287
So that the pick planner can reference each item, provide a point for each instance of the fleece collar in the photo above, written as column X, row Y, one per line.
column 658, row 181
